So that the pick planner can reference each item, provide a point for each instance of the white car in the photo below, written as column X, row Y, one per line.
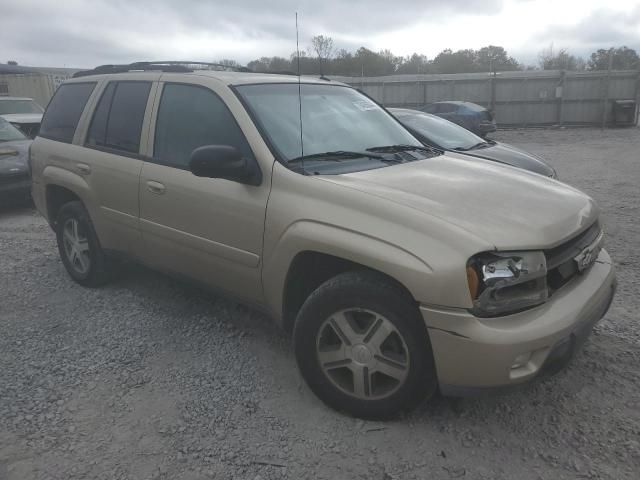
column 23, row 113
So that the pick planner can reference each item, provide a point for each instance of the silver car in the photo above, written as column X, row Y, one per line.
column 23, row 113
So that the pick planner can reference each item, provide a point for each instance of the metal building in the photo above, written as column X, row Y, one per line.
column 33, row 82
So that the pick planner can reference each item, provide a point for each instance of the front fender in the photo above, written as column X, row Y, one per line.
column 374, row 253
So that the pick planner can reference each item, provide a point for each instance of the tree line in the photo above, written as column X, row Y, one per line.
column 321, row 57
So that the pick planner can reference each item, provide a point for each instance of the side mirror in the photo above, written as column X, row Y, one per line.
column 224, row 161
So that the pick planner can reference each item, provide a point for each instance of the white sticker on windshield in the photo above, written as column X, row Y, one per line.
column 365, row 105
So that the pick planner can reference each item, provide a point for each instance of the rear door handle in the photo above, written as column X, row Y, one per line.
column 155, row 187
column 83, row 168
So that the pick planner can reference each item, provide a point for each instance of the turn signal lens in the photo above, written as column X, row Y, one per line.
column 473, row 282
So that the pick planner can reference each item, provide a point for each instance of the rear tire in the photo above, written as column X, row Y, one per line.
column 79, row 247
column 362, row 346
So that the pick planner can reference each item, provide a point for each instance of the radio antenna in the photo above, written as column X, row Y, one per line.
column 299, row 96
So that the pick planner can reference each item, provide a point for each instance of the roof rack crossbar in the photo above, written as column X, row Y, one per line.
column 235, row 68
column 163, row 66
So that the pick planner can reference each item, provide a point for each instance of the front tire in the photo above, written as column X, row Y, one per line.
column 362, row 346
column 79, row 247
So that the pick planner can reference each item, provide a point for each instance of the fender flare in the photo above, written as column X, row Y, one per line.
column 60, row 177
column 313, row 236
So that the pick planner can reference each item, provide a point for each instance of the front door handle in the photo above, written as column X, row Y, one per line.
column 155, row 187
column 83, row 168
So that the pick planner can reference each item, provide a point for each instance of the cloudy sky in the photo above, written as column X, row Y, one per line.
column 85, row 33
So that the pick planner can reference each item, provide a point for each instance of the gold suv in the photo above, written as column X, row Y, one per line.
column 399, row 269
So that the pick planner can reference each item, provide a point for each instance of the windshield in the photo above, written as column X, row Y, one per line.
column 9, row 133
column 439, row 131
column 19, row 106
column 334, row 118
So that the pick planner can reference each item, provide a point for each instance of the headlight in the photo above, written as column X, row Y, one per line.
column 506, row 282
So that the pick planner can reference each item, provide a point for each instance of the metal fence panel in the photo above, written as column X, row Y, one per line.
column 518, row 98
column 476, row 91
column 437, row 90
column 584, row 88
column 402, row 94
column 622, row 87
column 582, row 112
column 523, row 98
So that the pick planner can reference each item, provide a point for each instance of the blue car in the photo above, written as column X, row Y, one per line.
column 471, row 116
column 444, row 135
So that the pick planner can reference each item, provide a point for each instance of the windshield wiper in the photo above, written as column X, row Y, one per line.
column 473, row 147
column 335, row 156
column 403, row 148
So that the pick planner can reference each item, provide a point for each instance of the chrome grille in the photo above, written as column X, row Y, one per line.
column 561, row 266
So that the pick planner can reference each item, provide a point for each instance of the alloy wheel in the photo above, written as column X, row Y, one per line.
column 76, row 246
column 362, row 353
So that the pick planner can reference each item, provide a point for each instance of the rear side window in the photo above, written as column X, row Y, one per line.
column 64, row 110
column 117, row 120
column 189, row 117
column 447, row 108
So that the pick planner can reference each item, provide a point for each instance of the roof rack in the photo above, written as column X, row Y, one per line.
column 163, row 66
column 199, row 65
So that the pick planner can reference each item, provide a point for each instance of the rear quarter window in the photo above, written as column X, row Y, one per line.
column 63, row 112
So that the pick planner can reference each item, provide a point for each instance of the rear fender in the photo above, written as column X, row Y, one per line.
column 53, row 175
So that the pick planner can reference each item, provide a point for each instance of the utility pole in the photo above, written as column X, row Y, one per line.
column 606, row 93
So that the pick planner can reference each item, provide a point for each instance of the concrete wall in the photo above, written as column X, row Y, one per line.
column 517, row 98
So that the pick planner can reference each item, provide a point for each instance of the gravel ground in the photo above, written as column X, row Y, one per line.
column 149, row 378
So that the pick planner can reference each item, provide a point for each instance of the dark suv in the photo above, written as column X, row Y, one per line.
column 469, row 115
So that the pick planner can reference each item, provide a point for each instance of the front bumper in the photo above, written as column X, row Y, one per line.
column 473, row 354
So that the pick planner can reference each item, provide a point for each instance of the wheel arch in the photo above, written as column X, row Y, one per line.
column 62, row 186
column 310, row 253
column 310, row 269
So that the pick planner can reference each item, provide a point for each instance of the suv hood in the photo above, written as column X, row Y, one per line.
column 23, row 117
column 507, row 207
column 504, row 153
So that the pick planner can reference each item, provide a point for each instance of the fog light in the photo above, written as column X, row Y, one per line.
column 521, row 360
